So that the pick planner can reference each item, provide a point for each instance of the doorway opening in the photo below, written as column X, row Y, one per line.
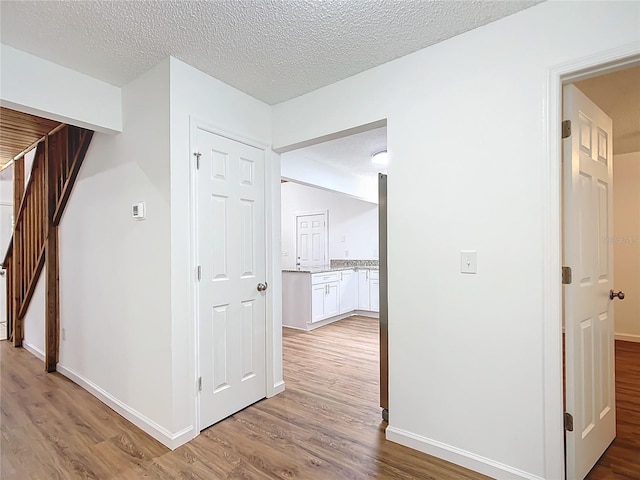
column 600, row 347
column 331, row 296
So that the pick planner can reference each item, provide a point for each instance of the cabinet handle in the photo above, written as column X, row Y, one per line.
column 326, row 289
column 367, row 274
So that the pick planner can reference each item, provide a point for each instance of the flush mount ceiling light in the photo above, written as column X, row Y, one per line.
column 380, row 158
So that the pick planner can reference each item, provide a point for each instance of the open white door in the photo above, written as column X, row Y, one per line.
column 589, row 334
column 311, row 244
column 231, row 253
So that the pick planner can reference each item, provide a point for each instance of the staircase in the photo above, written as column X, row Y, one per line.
column 38, row 208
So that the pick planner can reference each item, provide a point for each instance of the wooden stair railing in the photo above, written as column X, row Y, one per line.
column 34, row 244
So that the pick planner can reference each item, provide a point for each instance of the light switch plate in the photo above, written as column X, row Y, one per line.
column 469, row 261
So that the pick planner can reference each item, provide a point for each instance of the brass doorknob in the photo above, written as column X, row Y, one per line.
column 613, row 294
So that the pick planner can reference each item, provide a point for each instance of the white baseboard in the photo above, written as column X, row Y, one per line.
column 342, row 316
column 35, row 351
column 164, row 436
column 455, row 455
column 367, row 313
column 627, row 338
column 278, row 388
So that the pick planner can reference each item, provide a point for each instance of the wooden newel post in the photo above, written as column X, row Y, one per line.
column 52, row 312
column 18, row 193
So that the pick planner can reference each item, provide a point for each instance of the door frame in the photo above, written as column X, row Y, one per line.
column 552, row 305
column 326, row 230
column 273, row 307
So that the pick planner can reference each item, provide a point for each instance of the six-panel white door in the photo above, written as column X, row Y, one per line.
column 231, row 254
column 311, row 240
column 589, row 340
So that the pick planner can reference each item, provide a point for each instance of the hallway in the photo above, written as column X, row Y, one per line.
column 325, row 426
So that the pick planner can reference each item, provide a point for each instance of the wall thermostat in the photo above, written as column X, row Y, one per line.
column 137, row 211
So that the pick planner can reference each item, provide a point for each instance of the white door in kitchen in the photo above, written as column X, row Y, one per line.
column 311, row 246
column 589, row 334
column 231, row 254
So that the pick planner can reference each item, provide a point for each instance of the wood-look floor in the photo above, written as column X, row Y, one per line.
column 326, row 426
column 621, row 461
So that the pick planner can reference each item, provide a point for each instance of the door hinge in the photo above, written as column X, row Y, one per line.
column 199, row 272
column 199, row 384
column 566, row 128
column 566, row 275
column 568, row 422
column 197, row 155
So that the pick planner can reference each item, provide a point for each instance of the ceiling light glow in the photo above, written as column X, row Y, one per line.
column 380, row 158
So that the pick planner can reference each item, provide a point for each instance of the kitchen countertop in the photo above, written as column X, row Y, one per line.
column 327, row 268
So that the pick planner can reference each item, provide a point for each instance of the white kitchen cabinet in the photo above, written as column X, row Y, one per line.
column 311, row 300
column 318, row 292
column 332, row 300
column 348, row 291
column 325, row 301
column 363, row 290
column 374, row 290
column 325, row 295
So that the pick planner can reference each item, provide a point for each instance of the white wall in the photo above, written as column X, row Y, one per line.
column 466, row 129
column 626, row 247
column 36, row 86
column 29, row 157
column 310, row 172
column 6, row 214
column 126, row 285
column 114, row 271
column 6, row 203
column 34, row 319
column 355, row 220
column 197, row 97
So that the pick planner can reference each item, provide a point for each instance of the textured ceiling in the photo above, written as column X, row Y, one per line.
column 351, row 154
column 273, row 50
column 618, row 95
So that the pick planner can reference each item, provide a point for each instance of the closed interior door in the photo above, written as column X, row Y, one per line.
column 231, row 254
column 589, row 333
column 311, row 240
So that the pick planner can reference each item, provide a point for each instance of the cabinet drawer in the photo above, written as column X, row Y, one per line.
column 374, row 274
column 324, row 277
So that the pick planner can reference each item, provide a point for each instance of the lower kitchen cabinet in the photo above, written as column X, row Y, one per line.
column 374, row 290
column 369, row 290
column 320, row 298
column 325, row 301
column 348, row 291
column 363, row 290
